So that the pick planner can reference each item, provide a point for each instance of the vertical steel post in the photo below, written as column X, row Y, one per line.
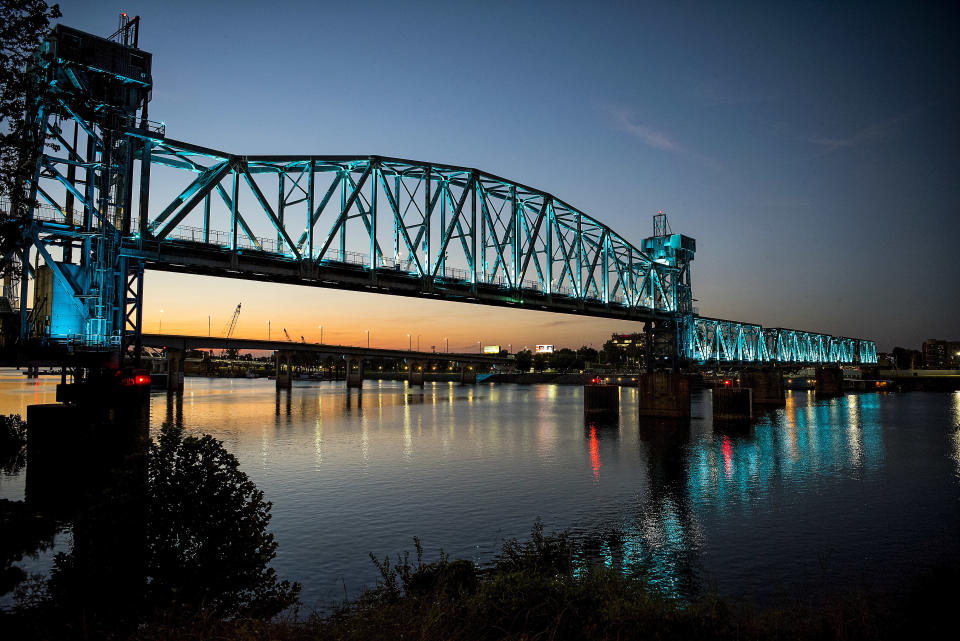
column 373, row 220
column 343, row 213
column 550, row 214
column 72, row 179
column 426, row 221
column 234, row 205
column 206, row 219
column 444, row 190
column 472, row 186
column 145, row 163
column 515, row 221
column 397, row 220
column 281, row 203
column 310, row 189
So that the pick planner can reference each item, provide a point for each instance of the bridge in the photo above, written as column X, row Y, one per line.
column 284, row 351
column 365, row 223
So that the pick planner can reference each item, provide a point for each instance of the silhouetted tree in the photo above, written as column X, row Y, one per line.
column 524, row 360
column 207, row 541
column 539, row 362
column 23, row 24
column 563, row 359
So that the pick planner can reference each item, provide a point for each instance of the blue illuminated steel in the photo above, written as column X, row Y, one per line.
column 722, row 342
column 119, row 197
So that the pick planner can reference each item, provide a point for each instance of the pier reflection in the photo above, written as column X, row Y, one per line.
column 696, row 469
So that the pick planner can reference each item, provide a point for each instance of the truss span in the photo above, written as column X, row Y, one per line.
column 430, row 222
column 712, row 341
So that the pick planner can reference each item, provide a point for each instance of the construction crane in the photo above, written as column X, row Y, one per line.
column 232, row 325
column 287, row 334
column 233, row 321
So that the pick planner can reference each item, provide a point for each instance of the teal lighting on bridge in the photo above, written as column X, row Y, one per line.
column 367, row 223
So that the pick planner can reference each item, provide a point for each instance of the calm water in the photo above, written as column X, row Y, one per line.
column 861, row 489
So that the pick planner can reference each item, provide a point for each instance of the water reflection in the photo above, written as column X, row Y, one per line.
column 464, row 467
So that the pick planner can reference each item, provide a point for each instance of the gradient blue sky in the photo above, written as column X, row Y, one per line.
column 808, row 147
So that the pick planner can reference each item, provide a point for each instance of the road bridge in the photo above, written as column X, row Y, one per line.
column 176, row 347
column 366, row 223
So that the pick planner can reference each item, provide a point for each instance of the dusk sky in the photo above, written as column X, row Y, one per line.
column 808, row 147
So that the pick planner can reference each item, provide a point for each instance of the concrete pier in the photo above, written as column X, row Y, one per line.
column 829, row 381
column 664, row 394
column 601, row 401
column 415, row 376
column 767, row 386
column 175, row 359
column 468, row 375
column 355, row 372
column 284, row 361
column 732, row 404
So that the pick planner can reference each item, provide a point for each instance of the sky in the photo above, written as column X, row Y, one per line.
column 807, row 146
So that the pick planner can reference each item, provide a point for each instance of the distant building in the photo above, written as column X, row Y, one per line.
column 941, row 354
column 626, row 342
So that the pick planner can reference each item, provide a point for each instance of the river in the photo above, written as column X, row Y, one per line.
column 857, row 490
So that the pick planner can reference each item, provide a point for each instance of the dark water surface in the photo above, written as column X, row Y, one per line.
column 863, row 489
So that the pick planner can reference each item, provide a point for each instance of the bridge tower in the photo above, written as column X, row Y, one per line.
column 90, row 115
column 677, row 251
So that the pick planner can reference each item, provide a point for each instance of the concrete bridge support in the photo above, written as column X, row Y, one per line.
column 601, row 402
column 732, row 404
column 415, row 375
column 767, row 386
column 468, row 375
column 664, row 394
column 175, row 359
column 284, row 363
column 829, row 381
column 355, row 373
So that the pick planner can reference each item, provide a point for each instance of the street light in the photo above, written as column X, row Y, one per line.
column 160, row 329
column 268, row 330
column 418, row 342
column 368, row 339
column 480, row 345
column 409, row 343
column 321, row 334
column 447, row 340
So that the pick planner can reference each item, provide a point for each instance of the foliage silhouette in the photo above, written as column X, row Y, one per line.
column 207, row 541
column 23, row 24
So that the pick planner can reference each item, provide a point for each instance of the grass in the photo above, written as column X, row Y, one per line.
column 536, row 591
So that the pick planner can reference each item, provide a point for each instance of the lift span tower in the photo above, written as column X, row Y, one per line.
column 366, row 223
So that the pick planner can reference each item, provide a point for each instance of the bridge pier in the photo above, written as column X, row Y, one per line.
column 601, row 401
column 175, row 358
column 663, row 394
column 767, row 386
column 284, row 360
column 355, row 373
column 468, row 375
column 829, row 381
column 732, row 404
column 415, row 375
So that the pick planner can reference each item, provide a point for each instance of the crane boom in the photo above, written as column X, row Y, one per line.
column 287, row 334
column 233, row 321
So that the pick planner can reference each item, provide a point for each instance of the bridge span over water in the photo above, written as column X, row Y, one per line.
column 120, row 196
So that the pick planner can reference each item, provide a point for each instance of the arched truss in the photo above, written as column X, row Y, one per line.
column 429, row 221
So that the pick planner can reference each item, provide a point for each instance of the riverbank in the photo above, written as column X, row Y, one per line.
column 535, row 590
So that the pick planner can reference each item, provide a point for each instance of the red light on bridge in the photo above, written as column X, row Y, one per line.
column 142, row 379
column 728, row 382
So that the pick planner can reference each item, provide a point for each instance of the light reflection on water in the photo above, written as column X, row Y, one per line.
column 813, row 494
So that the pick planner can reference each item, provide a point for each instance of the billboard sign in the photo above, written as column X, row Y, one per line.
column 491, row 349
column 544, row 349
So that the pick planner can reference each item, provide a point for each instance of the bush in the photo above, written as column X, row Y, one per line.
column 207, row 541
column 13, row 443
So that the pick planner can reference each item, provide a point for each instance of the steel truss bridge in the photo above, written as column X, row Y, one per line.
column 119, row 196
